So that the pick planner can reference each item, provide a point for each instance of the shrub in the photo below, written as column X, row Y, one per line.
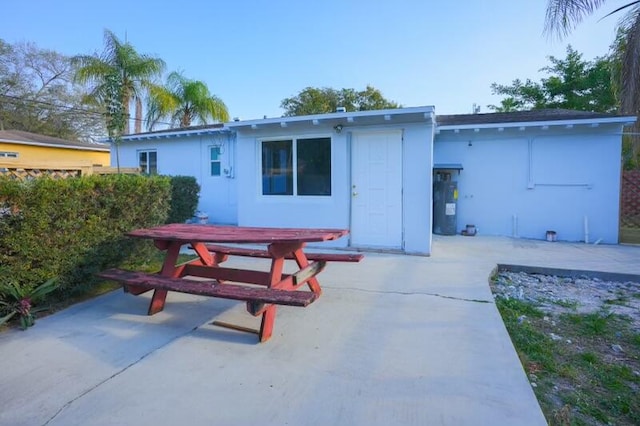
column 73, row 228
column 185, row 193
column 17, row 300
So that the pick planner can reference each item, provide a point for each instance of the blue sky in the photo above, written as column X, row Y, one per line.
column 253, row 54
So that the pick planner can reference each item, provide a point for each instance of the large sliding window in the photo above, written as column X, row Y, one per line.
column 296, row 167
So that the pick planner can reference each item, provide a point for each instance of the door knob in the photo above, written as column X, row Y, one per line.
column 355, row 194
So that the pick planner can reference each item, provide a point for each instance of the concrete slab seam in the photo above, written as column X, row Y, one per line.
column 116, row 374
column 410, row 293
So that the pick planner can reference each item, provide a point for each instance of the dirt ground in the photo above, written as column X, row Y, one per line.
column 556, row 295
column 590, row 374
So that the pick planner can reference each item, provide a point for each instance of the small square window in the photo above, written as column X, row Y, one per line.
column 148, row 162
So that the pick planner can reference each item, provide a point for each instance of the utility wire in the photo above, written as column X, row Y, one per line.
column 16, row 100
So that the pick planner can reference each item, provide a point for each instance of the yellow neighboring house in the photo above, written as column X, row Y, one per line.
column 31, row 150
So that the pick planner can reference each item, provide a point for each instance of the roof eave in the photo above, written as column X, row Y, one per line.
column 427, row 112
column 54, row 145
column 174, row 133
column 622, row 120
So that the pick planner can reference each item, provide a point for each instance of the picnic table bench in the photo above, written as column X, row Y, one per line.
column 213, row 288
column 262, row 253
column 204, row 276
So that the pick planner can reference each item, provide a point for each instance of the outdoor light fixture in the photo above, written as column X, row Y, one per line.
column 338, row 128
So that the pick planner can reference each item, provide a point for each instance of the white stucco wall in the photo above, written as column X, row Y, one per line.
column 525, row 182
column 254, row 209
column 417, row 188
column 189, row 156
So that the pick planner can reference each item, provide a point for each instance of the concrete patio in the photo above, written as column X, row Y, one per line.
column 394, row 340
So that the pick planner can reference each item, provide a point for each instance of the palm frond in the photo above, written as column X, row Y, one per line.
column 133, row 70
column 161, row 102
column 630, row 74
column 112, row 45
column 621, row 8
column 562, row 16
column 218, row 109
column 190, row 100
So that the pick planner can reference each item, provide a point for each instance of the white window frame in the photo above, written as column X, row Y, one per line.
column 294, row 139
column 147, row 151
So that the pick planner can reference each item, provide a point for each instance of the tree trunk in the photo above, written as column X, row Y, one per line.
column 186, row 119
column 125, row 102
column 138, row 125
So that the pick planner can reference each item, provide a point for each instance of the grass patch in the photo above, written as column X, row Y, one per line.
column 588, row 376
column 594, row 324
column 621, row 298
column 569, row 304
column 536, row 354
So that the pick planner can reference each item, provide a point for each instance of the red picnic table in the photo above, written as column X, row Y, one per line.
column 273, row 286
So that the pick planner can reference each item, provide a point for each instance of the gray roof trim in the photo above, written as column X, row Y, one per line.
column 170, row 133
column 383, row 116
column 547, row 117
column 624, row 121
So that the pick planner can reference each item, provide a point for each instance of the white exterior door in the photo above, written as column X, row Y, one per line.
column 376, row 189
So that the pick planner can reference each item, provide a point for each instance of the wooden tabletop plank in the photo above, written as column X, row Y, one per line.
column 186, row 232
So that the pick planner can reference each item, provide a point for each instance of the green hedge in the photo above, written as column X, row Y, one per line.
column 185, row 193
column 73, row 228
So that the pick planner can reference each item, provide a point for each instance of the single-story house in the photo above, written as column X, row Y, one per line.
column 393, row 177
column 32, row 149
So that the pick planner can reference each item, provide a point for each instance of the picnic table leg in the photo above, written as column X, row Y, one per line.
column 303, row 262
column 205, row 256
column 266, row 326
column 269, row 314
column 278, row 251
column 168, row 270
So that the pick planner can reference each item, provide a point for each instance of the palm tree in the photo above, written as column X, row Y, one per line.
column 133, row 70
column 563, row 16
column 184, row 101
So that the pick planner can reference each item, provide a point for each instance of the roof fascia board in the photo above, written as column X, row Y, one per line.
column 603, row 120
column 171, row 134
column 54, row 145
column 318, row 118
